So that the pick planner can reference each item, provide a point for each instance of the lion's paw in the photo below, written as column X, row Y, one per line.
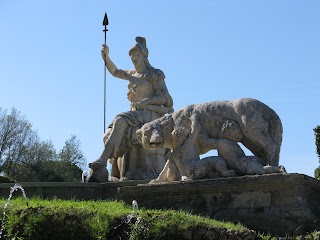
column 154, row 181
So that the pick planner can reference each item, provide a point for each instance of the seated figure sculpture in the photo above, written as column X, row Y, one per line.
column 196, row 129
column 150, row 100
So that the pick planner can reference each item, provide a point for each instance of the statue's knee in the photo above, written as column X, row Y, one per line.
column 119, row 121
column 119, row 124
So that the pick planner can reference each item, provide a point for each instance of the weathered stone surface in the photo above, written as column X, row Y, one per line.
column 199, row 128
column 273, row 203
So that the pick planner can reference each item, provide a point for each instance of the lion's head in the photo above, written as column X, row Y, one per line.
column 151, row 135
column 162, row 132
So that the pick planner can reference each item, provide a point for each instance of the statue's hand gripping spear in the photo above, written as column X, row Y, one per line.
column 105, row 23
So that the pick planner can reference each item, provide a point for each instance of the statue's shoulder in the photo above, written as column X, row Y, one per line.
column 157, row 74
column 131, row 72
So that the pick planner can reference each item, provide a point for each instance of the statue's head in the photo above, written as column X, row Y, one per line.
column 140, row 46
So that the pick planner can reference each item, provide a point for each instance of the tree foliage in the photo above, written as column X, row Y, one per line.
column 317, row 136
column 16, row 139
column 71, row 152
column 317, row 173
column 24, row 157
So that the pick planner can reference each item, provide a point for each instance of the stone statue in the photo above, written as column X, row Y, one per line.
column 184, row 162
column 220, row 125
column 150, row 100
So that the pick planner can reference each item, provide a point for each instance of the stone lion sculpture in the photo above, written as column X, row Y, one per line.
column 197, row 129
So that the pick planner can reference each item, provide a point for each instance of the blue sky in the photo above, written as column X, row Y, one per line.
column 51, row 68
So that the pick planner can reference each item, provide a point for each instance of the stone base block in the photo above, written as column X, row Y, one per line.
column 274, row 203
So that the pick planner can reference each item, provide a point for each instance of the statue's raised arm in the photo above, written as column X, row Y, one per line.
column 112, row 68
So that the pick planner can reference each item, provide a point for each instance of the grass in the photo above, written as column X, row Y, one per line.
column 71, row 219
column 95, row 220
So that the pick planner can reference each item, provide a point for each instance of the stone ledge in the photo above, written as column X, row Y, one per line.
column 70, row 190
column 273, row 203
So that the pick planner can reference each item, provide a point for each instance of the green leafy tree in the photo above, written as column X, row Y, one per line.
column 24, row 157
column 34, row 167
column 317, row 173
column 16, row 138
column 71, row 160
column 317, row 136
column 71, row 152
column 55, row 171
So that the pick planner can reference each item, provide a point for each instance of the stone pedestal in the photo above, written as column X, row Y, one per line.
column 273, row 203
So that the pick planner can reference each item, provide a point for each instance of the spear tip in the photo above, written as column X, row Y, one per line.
column 105, row 20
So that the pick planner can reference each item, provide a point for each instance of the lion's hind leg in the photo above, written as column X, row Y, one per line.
column 261, row 140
